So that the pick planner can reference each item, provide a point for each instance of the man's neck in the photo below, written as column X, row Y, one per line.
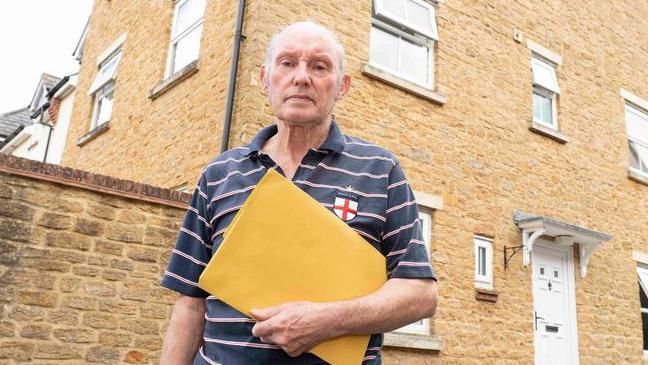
column 291, row 143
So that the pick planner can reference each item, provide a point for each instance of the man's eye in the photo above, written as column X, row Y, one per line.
column 287, row 63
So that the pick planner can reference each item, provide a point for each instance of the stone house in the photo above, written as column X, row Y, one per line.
column 522, row 126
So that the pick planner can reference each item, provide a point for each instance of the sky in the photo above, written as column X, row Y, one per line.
column 37, row 36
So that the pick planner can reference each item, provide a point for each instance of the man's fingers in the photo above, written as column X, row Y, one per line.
column 261, row 330
column 265, row 313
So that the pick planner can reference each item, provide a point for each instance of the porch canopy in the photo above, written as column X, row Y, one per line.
column 563, row 233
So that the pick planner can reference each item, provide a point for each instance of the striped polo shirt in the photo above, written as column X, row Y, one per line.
column 360, row 182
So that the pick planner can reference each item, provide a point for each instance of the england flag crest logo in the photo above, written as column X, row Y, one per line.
column 346, row 206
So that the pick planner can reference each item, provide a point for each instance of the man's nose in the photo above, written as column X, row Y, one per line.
column 301, row 75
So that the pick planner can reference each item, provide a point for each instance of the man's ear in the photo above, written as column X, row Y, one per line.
column 263, row 79
column 344, row 86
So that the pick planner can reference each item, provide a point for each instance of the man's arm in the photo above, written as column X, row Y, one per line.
column 298, row 326
column 184, row 335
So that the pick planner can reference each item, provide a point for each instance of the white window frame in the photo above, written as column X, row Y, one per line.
column 550, row 91
column 178, row 36
column 407, row 32
column 642, row 273
column 421, row 327
column 643, row 114
column 485, row 280
column 104, row 85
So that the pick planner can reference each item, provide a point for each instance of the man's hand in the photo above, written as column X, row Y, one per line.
column 296, row 327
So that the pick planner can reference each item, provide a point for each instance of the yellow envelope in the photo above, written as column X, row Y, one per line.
column 284, row 246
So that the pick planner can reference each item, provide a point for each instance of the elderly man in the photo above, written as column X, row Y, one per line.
column 303, row 76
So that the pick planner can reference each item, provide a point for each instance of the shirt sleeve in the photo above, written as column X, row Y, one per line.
column 193, row 248
column 402, row 239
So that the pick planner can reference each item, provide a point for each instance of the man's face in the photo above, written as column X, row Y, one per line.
column 302, row 80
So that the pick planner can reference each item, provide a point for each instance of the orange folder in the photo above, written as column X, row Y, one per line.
column 284, row 246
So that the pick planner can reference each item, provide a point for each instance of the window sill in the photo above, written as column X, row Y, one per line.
column 548, row 132
column 397, row 82
column 94, row 133
column 638, row 176
column 486, row 295
column 173, row 80
column 410, row 341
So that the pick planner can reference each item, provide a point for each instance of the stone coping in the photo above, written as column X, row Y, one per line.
column 93, row 182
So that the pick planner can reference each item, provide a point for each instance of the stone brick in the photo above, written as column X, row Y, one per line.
column 103, row 355
column 101, row 211
column 115, row 339
column 101, row 320
column 7, row 294
column 165, row 223
column 113, row 275
column 43, row 299
column 89, row 227
column 155, row 311
column 142, row 254
column 7, row 329
column 55, row 221
column 135, row 357
column 78, row 302
column 65, row 317
column 84, row 270
column 63, row 205
column 39, row 331
column 26, row 313
column 152, row 343
column 68, row 240
column 100, row 289
column 118, row 306
column 101, row 260
column 109, row 247
column 12, row 229
column 8, row 252
column 140, row 326
column 122, row 264
column 162, row 295
column 69, row 284
column 16, row 209
column 6, row 191
column 57, row 351
column 75, row 335
column 17, row 350
column 160, row 236
column 124, row 233
column 131, row 216
column 45, row 264
column 136, row 291
column 69, row 256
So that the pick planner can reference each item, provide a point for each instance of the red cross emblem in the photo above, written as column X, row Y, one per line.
column 345, row 208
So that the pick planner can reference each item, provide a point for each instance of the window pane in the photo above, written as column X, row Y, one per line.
column 414, row 62
column 544, row 75
column 419, row 16
column 638, row 156
column 383, row 49
column 395, row 8
column 481, row 259
column 642, row 298
column 107, row 72
column 105, row 107
column 542, row 109
column 644, row 322
column 188, row 13
column 637, row 124
column 187, row 48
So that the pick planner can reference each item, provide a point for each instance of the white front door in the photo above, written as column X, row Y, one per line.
column 554, row 317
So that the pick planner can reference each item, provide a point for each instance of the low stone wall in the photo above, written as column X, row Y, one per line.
column 81, row 257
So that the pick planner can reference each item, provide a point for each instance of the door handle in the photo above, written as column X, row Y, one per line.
column 536, row 317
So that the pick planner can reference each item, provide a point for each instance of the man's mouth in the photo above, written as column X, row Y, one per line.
column 300, row 97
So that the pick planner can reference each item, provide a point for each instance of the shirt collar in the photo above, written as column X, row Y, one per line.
column 334, row 141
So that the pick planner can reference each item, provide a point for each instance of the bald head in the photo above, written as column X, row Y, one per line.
column 314, row 29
